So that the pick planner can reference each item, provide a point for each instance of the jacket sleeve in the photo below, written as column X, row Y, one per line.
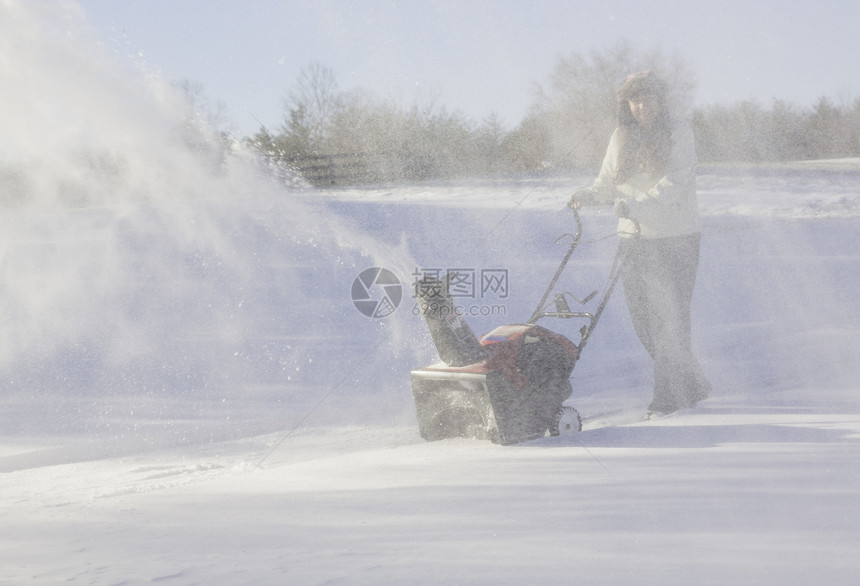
column 604, row 185
column 673, row 187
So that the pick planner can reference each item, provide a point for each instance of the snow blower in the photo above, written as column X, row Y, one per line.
column 510, row 385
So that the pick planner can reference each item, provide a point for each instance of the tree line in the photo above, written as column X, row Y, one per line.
column 358, row 137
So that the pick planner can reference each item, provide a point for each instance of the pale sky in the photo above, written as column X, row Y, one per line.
column 478, row 56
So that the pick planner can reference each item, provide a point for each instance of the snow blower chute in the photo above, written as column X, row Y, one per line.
column 510, row 385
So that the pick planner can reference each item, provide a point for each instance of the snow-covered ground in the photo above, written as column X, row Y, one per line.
column 189, row 395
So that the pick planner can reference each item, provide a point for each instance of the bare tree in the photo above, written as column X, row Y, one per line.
column 202, row 130
column 200, row 110
column 312, row 104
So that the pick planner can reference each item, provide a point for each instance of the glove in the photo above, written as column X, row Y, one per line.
column 621, row 208
column 583, row 198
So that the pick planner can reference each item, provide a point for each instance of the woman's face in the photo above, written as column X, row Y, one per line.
column 645, row 109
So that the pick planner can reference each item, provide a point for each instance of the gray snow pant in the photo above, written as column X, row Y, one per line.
column 659, row 278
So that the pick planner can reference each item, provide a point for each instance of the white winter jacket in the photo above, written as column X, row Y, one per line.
column 665, row 208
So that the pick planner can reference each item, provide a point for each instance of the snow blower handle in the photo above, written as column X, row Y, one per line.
column 574, row 242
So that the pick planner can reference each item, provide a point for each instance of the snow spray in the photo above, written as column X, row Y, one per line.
column 149, row 271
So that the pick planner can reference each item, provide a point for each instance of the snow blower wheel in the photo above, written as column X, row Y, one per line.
column 566, row 422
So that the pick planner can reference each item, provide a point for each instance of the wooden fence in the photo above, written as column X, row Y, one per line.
column 339, row 169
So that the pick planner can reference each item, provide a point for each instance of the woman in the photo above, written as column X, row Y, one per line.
column 649, row 173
